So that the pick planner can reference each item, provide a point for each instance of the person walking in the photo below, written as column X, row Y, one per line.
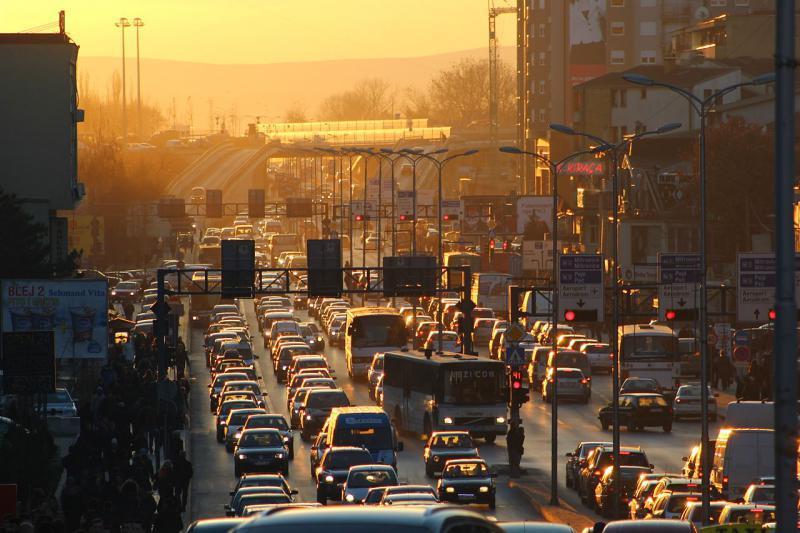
column 183, row 477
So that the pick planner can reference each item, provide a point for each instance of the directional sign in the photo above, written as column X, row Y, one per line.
column 678, row 282
column 29, row 362
column 755, row 293
column 580, row 279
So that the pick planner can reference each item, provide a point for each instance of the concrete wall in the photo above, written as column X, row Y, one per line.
column 38, row 113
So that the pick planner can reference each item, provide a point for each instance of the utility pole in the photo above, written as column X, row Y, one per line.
column 123, row 23
column 138, row 23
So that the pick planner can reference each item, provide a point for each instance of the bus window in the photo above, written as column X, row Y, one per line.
column 472, row 386
column 379, row 331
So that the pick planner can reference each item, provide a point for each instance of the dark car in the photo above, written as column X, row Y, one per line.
column 466, row 481
column 638, row 411
column 237, row 496
column 601, row 458
column 313, row 336
column 333, row 469
column 631, row 385
column 443, row 446
column 608, row 487
column 577, row 459
column 263, row 480
column 317, row 408
column 214, row 525
column 316, row 453
column 273, row 421
column 646, row 526
column 261, row 450
column 129, row 291
column 572, row 384
column 260, row 499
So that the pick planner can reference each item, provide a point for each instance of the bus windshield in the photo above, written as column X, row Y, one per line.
column 372, row 437
column 644, row 347
column 379, row 330
column 473, row 385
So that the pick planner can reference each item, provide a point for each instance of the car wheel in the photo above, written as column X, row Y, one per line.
column 321, row 498
column 668, row 427
column 567, row 482
column 291, row 452
column 490, row 439
column 236, row 472
column 305, row 436
column 285, row 471
column 220, row 435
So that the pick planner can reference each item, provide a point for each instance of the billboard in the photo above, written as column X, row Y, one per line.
column 587, row 40
column 535, row 210
column 87, row 233
column 74, row 309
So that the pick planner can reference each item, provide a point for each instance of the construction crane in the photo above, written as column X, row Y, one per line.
column 494, row 11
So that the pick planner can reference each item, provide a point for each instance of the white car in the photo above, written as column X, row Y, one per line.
column 450, row 342
column 599, row 356
column 688, row 402
column 60, row 403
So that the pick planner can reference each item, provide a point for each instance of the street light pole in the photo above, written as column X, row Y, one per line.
column 122, row 24
column 138, row 23
column 702, row 107
column 554, row 168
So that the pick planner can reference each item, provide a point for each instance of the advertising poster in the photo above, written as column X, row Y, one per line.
column 536, row 212
column 76, row 310
column 587, row 40
column 87, row 233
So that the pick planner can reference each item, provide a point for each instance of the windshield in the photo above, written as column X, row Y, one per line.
column 652, row 401
column 452, row 441
column 275, row 422
column 678, row 502
column 379, row 330
column 260, row 440
column 640, row 384
column 344, row 460
column 59, row 396
column 238, row 419
column 371, row 478
column 751, row 516
column 327, row 400
column 473, row 384
column 378, row 437
column 467, row 470
column 305, row 331
column 646, row 347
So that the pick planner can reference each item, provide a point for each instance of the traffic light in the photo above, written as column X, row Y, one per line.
column 580, row 315
column 255, row 203
column 681, row 315
column 773, row 314
column 506, row 245
column 518, row 391
column 448, row 217
column 359, row 218
column 491, row 251
column 213, row 203
column 406, row 218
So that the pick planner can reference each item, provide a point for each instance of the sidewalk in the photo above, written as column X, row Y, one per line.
column 535, row 486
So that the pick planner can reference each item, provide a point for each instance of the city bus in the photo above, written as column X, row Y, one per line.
column 650, row 351
column 456, row 259
column 445, row 392
column 490, row 289
column 371, row 330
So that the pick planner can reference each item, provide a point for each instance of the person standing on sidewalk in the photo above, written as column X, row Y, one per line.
column 514, row 443
column 183, row 477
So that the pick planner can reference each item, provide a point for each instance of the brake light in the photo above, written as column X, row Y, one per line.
column 624, row 453
column 598, row 473
column 585, row 381
column 611, row 356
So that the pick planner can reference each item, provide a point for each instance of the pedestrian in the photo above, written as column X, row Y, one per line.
column 180, row 357
column 514, row 443
column 127, row 308
column 168, row 516
column 183, row 477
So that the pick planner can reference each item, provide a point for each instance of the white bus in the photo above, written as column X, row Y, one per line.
column 449, row 391
column 650, row 351
column 490, row 289
column 371, row 330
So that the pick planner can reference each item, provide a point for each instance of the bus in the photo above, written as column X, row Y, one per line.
column 363, row 426
column 456, row 259
column 490, row 289
column 371, row 330
column 650, row 351
column 445, row 392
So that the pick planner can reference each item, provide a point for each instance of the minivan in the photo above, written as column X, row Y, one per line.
column 570, row 359
column 741, row 456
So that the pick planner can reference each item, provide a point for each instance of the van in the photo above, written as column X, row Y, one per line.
column 741, row 457
column 363, row 426
column 570, row 359
column 748, row 414
column 537, row 368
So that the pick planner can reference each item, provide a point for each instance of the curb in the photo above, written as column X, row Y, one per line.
column 563, row 514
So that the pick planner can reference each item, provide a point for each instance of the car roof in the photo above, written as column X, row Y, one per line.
column 643, row 394
column 657, row 525
column 464, row 461
column 371, row 467
column 453, row 432
column 535, row 527
column 215, row 524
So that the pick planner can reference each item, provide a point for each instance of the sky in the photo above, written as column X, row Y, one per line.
column 267, row 31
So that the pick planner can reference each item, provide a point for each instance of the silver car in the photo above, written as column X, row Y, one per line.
column 60, row 403
column 361, row 478
column 689, row 404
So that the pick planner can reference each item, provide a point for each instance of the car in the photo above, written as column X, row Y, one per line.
column 670, row 504
column 262, row 498
column 534, row 527
column 224, row 409
column 315, row 454
column 335, row 519
column 361, row 478
column 215, row 388
column 313, row 336
column 443, row 446
column 214, row 525
column 693, row 512
column 414, row 498
column 668, row 483
column 601, row 458
column 638, row 411
column 576, row 459
column 688, row 403
column 572, row 384
column 237, row 496
column 599, row 356
column 449, row 341
column 60, row 403
column 317, row 407
column 374, row 373
column 263, row 480
column 234, row 423
column 467, row 481
column 608, row 488
column 642, row 497
column 425, row 490
column 760, row 493
column 482, row 331
column 648, row 526
column 126, row 291
column 746, row 513
column 333, row 470
column 261, row 450
column 273, row 421
column 640, row 385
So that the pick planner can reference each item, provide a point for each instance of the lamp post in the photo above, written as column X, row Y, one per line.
column 554, row 169
column 614, row 149
column 415, row 156
column 440, row 163
column 386, row 154
column 138, row 23
column 702, row 107
column 123, row 23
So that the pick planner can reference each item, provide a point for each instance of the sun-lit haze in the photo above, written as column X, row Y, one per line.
column 266, row 31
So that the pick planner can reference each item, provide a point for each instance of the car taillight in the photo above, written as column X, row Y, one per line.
column 585, row 381
column 677, row 400
column 611, row 356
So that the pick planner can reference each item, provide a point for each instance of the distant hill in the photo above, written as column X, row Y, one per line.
column 267, row 89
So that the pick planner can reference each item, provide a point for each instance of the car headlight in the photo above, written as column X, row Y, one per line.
column 484, row 489
column 450, row 489
column 308, row 417
column 283, row 368
column 237, row 434
column 279, row 456
column 113, row 293
column 501, row 420
column 436, row 458
column 285, row 439
column 319, row 339
column 329, row 479
column 447, row 420
column 242, row 456
column 349, row 498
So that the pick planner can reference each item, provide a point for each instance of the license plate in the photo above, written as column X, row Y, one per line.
column 466, row 496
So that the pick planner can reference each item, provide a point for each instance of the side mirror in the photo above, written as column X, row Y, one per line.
column 684, row 458
column 400, row 446
column 231, row 493
column 569, row 454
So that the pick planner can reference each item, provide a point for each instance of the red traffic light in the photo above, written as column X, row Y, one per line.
column 359, row 218
column 404, row 218
column 506, row 244
column 772, row 314
column 516, row 384
column 491, row 244
column 569, row 315
column 670, row 314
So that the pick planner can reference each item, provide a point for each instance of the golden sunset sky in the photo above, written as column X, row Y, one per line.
column 268, row 31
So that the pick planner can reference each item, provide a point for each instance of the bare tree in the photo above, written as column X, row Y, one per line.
column 370, row 99
column 295, row 113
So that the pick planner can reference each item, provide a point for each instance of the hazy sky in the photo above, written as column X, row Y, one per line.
column 267, row 31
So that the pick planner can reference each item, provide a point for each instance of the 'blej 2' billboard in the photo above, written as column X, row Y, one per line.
column 75, row 309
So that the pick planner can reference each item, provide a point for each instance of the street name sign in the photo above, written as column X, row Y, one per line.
column 678, row 282
column 580, row 279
